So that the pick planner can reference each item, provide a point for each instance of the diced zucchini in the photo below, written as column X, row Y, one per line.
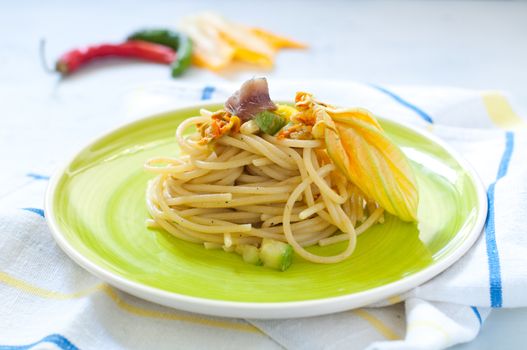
column 269, row 122
column 275, row 254
column 250, row 254
column 239, row 249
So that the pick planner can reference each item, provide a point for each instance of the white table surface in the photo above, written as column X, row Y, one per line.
column 465, row 44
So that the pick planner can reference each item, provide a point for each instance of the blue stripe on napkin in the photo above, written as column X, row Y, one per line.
column 35, row 210
column 207, row 92
column 37, row 176
column 496, row 295
column 478, row 315
column 56, row 339
column 405, row 103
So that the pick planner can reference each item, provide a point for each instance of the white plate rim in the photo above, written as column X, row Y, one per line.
column 266, row 310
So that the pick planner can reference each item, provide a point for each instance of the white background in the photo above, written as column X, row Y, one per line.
column 468, row 44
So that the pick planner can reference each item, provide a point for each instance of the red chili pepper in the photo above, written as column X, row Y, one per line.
column 74, row 59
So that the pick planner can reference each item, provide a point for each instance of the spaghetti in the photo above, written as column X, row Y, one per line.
column 236, row 187
column 251, row 187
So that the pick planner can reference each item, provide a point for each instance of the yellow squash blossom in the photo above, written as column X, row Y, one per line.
column 365, row 155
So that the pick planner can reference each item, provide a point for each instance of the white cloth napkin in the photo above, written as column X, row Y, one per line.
column 46, row 301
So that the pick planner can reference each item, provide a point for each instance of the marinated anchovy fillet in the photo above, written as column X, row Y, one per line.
column 251, row 99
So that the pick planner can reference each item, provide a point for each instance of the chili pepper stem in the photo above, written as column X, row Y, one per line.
column 42, row 54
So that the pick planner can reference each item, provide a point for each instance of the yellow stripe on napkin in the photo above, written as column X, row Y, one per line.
column 376, row 323
column 138, row 311
column 44, row 293
column 501, row 112
column 394, row 299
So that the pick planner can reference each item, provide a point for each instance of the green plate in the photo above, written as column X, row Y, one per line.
column 96, row 210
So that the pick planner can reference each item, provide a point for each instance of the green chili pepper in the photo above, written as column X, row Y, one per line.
column 179, row 42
